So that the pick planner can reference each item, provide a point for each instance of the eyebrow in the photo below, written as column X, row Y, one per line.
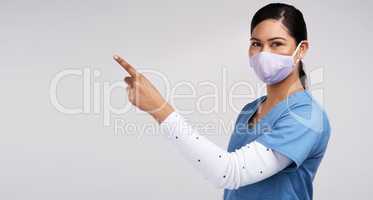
column 275, row 38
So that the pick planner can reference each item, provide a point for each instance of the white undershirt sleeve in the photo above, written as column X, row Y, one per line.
column 247, row 165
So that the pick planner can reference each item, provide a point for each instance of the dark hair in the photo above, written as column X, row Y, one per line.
column 291, row 18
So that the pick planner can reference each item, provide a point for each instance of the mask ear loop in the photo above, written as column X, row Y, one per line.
column 294, row 53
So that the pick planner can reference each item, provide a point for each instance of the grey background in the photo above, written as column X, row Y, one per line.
column 45, row 154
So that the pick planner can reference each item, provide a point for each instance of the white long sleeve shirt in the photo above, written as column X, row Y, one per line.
column 230, row 170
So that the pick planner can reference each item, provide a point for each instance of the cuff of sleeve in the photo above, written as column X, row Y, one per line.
column 170, row 118
column 174, row 125
column 169, row 125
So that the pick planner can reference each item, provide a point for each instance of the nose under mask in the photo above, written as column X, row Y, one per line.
column 272, row 68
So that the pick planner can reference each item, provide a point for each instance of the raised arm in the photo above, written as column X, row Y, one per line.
column 249, row 164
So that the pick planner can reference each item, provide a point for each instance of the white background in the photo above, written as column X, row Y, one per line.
column 46, row 154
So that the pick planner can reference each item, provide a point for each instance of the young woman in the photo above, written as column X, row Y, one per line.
column 278, row 140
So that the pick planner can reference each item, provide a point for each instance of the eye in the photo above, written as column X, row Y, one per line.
column 255, row 44
column 276, row 44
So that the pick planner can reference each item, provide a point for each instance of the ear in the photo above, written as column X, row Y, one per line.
column 303, row 49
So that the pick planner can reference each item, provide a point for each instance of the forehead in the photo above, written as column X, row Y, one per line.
column 270, row 28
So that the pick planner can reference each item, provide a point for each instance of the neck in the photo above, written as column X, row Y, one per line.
column 282, row 90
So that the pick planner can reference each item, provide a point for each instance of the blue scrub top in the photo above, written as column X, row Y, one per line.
column 296, row 127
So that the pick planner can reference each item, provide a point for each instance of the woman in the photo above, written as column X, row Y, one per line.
column 278, row 140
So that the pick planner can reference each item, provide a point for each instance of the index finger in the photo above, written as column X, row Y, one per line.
column 131, row 70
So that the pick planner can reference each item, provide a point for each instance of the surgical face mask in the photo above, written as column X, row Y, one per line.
column 272, row 68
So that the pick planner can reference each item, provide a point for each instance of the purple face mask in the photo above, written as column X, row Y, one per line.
column 272, row 68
